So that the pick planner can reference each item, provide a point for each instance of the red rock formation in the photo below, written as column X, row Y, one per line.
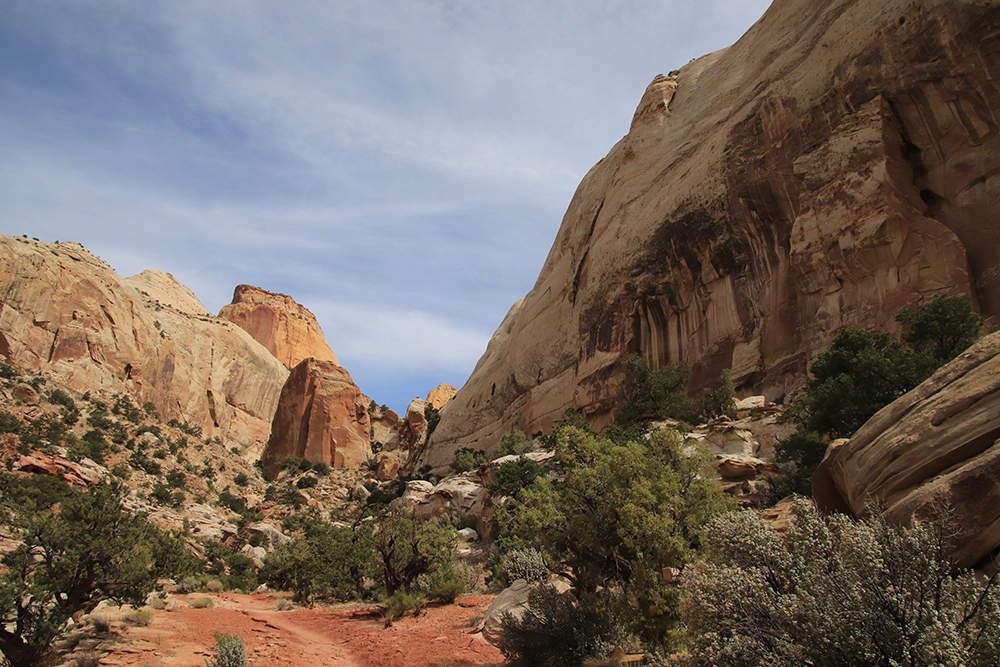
column 321, row 416
column 277, row 322
column 936, row 449
column 67, row 314
column 838, row 162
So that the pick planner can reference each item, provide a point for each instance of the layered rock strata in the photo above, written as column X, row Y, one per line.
column 933, row 454
column 838, row 162
column 66, row 313
column 288, row 330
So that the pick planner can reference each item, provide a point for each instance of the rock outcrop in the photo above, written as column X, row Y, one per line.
column 439, row 395
column 66, row 313
column 933, row 453
column 289, row 331
column 321, row 416
column 838, row 162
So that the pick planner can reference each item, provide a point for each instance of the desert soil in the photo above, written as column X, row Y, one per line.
column 337, row 636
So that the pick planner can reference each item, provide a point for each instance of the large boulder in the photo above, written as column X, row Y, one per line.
column 321, row 416
column 934, row 453
column 288, row 330
column 838, row 162
column 67, row 314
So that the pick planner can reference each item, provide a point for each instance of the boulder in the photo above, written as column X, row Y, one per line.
column 837, row 163
column 388, row 466
column 934, row 453
column 68, row 315
column 288, row 330
column 321, row 416
column 25, row 393
column 513, row 600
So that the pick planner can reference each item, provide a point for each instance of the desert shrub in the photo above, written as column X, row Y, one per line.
column 60, row 397
column 433, row 417
column 651, row 394
column 9, row 423
column 719, row 400
column 322, row 560
column 229, row 651
column 512, row 476
column 7, row 372
column 100, row 623
column 188, row 584
column 515, row 442
column 527, row 564
column 201, row 602
column 602, row 523
column 87, row 660
column 941, row 329
column 139, row 618
column 467, row 459
column 321, row 468
column 556, row 631
column 400, row 603
column 214, row 586
column 835, row 591
column 241, row 479
column 176, row 479
column 306, row 482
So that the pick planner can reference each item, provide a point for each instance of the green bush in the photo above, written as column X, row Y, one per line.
column 653, row 394
column 467, row 459
column 527, row 564
column 603, row 522
column 401, row 603
column 720, row 399
column 512, row 476
column 65, row 563
column 306, row 482
column 60, row 397
column 229, row 651
column 836, row 591
column 515, row 442
column 241, row 479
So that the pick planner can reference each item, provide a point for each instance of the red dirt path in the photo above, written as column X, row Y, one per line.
column 180, row 636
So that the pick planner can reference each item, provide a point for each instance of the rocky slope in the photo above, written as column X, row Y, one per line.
column 933, row 454
column 66, row 313
column 838, row 162
column 288, row 330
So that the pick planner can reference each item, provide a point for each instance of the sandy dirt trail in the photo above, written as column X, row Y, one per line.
column 339, row 636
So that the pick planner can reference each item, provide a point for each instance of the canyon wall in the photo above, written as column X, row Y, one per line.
column 66, row 313
column 838, row 162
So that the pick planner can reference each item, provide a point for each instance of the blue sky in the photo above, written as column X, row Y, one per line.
column 399, row 167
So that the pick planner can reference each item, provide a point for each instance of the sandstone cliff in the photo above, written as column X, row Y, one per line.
column 66, row 313
column 936, row 449
column 838, row 162
column 289, row 331
column 321, row 416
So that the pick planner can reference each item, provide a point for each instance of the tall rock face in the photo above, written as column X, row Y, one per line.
column 934, row 451
column 68, row 314
column 322, row 416
column 289, row 331
column 838, row 162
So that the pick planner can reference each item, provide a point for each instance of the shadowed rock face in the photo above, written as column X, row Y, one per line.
column 321, row 416
column 936, row 449
column 67, row 313
column 288, row 330
column 837, row 163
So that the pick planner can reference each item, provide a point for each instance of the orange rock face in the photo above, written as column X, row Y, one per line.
column 838, row 162
column 439, row 395
column 277, row 322
column 321, row 416
column 67, row 314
